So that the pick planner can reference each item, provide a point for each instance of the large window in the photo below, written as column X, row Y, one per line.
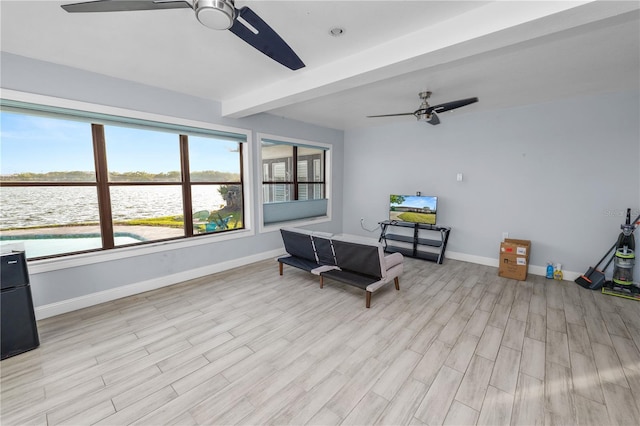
column 70, row 183
column 294, row 182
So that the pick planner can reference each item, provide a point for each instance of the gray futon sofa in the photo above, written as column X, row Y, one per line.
column 349, row 260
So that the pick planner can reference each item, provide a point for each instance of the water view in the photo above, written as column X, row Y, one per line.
column 49, row 206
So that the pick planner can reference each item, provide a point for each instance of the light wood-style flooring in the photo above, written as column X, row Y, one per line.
column 456, row 345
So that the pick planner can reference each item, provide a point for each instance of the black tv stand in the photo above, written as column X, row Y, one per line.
column 414, row 244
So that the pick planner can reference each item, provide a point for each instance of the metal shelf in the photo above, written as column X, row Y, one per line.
column 415, row 240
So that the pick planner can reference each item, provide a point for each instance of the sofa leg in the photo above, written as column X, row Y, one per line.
column 321, row 282
column 397, row 281
column 368, row 299
column 280, row 267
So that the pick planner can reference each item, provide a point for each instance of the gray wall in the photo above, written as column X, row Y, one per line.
column 560, row 174
column 27, row 75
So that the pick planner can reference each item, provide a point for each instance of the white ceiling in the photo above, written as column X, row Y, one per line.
column 507, row 53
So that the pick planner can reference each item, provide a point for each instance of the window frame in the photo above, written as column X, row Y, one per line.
column 85, row 258
column 328, row 153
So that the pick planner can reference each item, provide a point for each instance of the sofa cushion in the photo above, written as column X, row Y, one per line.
column 298, row 243
column 358, row 257
column 299, row 262
column 324, row 250
column 351, row 278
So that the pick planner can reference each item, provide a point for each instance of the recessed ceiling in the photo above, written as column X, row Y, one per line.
column 506, row 53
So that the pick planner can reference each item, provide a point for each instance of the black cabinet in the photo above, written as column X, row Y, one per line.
column 418, row 240
column 18, row 329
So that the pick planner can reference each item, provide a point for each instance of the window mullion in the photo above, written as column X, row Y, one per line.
column 243, row 211
column 102, row 179
column 186, row 186
column 295, row 172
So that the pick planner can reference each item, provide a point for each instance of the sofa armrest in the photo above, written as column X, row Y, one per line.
column 393, row 259
column 324, row 268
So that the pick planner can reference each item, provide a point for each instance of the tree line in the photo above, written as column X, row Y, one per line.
column 83, row 176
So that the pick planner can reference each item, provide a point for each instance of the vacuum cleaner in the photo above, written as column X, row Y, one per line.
column 621, row 284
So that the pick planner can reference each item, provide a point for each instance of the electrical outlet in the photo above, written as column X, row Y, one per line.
column 362, row 219
column 505, row 235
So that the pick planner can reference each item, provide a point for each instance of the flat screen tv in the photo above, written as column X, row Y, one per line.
column 413, row 208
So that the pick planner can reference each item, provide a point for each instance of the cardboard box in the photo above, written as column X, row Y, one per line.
column 514, row 259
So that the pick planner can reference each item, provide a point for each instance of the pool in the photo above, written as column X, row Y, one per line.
column 52, row 244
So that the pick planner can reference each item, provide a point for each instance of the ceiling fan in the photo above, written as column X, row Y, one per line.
column 428, row 113
column 215, row 14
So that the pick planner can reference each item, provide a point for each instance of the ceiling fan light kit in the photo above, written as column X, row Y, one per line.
column 215, row 14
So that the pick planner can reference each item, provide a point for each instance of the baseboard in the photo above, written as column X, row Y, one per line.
column 480, row 260
column 69, row 305
column 489, row 261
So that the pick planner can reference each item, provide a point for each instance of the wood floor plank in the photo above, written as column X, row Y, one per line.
column 427, row 369
column 354, row 390
column 556, row 320
column 265, row 389
column 489, row 343
column 533, row 358
column 395, row 375
column 615, row 325
column 185, row 381
column 475, row 383
column 140, row 408
column 307, row 405
column 487, row 302
column 579, row 339
column 325, row 417
column 538, row 305
column 462, row 352
column 589, row 412
column 497, row 408
column 528, row 407
column 367, row 411
column 586, row 381
column 597, row 329
column 421, row 341
column 536, row 327
column 401, row 409
column 452, row 330
column 499, row 316
column 620, row 405
column 436, row 403
column 460, row 414
column 273, row 406
column 505, row 371
column 477, row 323
column 514, row 334
column 627, row 351
column 608, row 365
column 557, row 348
column 574, row 314
column 91, row 416
column 558, row 391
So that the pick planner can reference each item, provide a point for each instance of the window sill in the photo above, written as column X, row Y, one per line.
column 83, row 259
column 273, row 227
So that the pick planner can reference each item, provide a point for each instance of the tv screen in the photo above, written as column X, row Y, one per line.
column 413, row 208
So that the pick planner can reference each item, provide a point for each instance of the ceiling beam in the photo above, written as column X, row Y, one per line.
column 494, row 26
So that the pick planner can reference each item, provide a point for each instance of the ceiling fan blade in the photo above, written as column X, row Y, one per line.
column 448, row 106
column 390, row 115
column 124, row 5
column 265, row 40
column 434, row 119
